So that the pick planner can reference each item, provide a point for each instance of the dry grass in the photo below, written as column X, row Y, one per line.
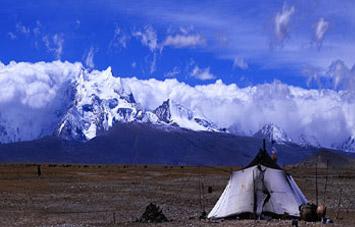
column 73, row 195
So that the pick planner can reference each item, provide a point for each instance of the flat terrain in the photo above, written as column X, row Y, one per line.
column 85, row 195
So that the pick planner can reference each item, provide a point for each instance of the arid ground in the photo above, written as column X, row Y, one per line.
column 88, row 195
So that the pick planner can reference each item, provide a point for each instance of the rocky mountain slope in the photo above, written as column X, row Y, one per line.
column 137, row 143
column 348, row 145
column 272, row 132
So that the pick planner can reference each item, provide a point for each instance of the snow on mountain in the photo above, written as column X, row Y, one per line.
column 307, row 140
column 272, row 132
column 42, row 98
column 75, row 104
column 173, row 113
column 102, row 100
column 348, row 145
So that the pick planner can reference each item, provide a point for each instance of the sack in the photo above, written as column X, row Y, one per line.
column 309, row 212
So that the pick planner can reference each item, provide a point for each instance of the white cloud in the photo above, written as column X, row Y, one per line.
column 77, row 23
column 89, row 59
column 320, row 30
column 186, row 29
column 27, row 30
column 202, row 74
column 337, row 76
column 120, row 39
column 326, row 114
column 342, row 76
column 240, row 62
column 173, row 73
column 54, row 44
column 153, row 63
column 281, row 22
column 37, row 29
column 313, row 75
column 22, row 29
column 148, row 37
column 183, row 40
column 34, row 96
column 11, row 35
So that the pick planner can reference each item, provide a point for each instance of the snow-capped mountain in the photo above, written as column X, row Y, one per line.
column 173, row 113
column 348, row 145
column 307, row 140
column 272, row 132
column 101, row 101
column 92, row 102
column 62, row 98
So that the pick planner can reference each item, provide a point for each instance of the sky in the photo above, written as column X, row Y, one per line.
column 241, row 64
column 305, row 43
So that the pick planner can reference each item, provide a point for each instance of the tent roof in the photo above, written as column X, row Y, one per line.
column 263, row 158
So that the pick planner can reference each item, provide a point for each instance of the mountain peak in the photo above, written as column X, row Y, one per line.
column 176, row 114
column 272, row 132
column 100, row 101
column 348, row 145
column 163, row 111
column 308, row 140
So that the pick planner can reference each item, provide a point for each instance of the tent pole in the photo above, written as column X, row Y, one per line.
column 325, row 185
column 317, row 183
column 203, row 196
column 339, row 203
column 199, row 187
column 264, row 145
column 255, row 199
column 201, row 190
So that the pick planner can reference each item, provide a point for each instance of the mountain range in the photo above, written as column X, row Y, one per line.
column 94, row 104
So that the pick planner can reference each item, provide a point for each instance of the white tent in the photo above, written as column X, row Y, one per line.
column 260, row 188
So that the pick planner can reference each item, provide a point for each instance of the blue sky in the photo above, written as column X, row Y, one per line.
column 197, row 42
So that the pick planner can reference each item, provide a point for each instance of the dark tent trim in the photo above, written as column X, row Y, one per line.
column 263, row 158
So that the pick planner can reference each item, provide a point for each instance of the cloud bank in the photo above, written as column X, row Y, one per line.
column 34, row 96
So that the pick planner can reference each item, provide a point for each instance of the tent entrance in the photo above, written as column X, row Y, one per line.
column 261, row 192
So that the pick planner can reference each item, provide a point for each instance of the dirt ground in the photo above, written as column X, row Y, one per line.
column 85, row 195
